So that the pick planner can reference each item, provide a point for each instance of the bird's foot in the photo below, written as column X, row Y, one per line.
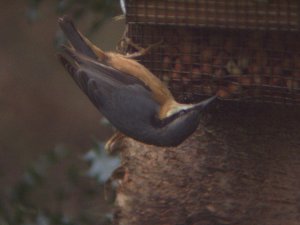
column 140, row 50
column 125, row 42
column 114, row 144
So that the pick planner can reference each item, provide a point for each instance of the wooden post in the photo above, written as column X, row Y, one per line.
column 245, row 170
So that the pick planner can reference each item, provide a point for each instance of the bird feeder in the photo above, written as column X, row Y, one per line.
column 245, row 168
column 247, row 48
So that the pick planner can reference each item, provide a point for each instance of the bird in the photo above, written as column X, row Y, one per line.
column 136, row 102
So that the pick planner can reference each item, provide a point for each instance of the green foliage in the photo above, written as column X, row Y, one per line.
column 102, row 165
column 32, row 10
column 38, row 197
column 46, row 192
column 102, row 9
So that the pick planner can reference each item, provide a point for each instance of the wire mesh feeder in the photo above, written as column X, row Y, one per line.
column 247, row 48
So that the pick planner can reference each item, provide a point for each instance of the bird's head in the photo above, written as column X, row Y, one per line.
column 181, row 121
column 172, row 108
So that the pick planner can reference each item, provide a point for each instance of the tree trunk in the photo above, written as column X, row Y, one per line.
column 243, row 169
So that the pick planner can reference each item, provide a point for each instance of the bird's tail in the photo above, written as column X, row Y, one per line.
column 77, row 40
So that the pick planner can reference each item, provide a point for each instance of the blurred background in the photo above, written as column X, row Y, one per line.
column 52, row 164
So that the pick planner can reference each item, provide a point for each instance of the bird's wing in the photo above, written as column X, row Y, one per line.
column 97, row 80
column 98, row 70
column 82, row 46
column 127, row 105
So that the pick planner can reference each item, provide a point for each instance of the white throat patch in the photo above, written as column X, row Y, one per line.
column 179, row 107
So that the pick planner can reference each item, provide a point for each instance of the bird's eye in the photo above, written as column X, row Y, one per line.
column 182, row 112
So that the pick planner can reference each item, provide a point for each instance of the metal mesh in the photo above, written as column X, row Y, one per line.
column 202, row 57
column 247, row 14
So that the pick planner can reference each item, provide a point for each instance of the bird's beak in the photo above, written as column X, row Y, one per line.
column 204, row 103
column 177, row 107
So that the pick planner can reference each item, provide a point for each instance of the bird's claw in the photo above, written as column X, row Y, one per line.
column 126, row 41
column 114, row 144
column 141, row 51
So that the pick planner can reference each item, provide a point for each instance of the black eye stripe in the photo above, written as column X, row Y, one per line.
column 183, row 111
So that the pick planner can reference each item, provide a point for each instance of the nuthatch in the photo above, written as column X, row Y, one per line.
column 134, row 100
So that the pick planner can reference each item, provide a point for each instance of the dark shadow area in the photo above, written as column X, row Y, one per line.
column 40, row 105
